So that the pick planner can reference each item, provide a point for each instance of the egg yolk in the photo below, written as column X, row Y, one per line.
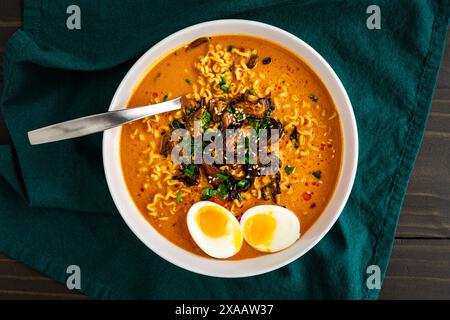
column 212, row 221
column 260, row 228
column 237, row 239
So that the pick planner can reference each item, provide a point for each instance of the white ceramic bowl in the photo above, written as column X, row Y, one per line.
column 248, row 267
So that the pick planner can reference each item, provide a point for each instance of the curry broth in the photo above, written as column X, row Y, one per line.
column 173, row 76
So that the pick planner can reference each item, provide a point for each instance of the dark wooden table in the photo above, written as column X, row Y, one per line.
column 420, row 262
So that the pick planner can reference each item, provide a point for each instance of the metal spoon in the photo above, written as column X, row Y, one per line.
column 98, row 122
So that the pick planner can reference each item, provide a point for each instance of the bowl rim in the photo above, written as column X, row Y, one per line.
column 232, row 268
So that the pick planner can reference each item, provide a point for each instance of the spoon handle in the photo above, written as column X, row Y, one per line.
column 98, row 122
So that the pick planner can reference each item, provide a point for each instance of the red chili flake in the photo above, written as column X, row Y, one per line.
column 313, row 205
column 306, row 183
column 307, row 196
column 330, row 145
column 322, row 147
column 155, row 94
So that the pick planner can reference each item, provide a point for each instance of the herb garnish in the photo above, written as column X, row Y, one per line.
column 295, row 137
column 179, row 197
column 208, row 193
column 177, row 124
column 244, row 185
column 314, row 98
column 204, row 119
column 239, row 116
column 223, row 190
column 289, row 169
column 317, row 174
column 189, row 170
column 223, row 176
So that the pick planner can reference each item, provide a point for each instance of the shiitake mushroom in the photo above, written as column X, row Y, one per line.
column 197, row 42
column 252, row 61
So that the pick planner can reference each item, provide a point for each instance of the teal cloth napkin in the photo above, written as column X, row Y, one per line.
column 55, row 209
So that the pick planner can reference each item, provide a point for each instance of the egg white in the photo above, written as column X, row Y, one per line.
column 222, row 247
column 287, row 229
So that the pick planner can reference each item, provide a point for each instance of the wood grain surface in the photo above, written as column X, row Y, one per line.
column 420, row 264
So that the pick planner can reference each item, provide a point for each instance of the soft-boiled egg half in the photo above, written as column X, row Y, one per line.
column 214, row 229
column 270, row 228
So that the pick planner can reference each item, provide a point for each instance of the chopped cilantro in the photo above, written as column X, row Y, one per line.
column 224, row 88
column 314, row 98
column 244, row 184
column 247, row 159
column 289, row 169
column 208, row 193
column 177, row 124
column 239, row 116
column 204, row 119
column 317, row 174
column 179, row 197
column 223, row 190
column 189, row 170
column 222, row 176
column 295, row 137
